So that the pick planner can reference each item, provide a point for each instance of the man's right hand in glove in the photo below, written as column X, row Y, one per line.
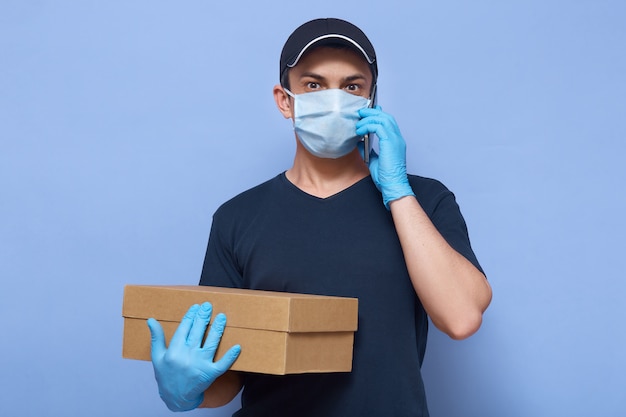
column 186, row 369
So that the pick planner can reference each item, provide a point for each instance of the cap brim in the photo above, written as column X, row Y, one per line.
column 330, row 39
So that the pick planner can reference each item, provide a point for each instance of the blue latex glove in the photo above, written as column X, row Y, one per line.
column 389, row 168
column 186, row 369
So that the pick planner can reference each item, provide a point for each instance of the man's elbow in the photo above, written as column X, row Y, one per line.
column 466, row 322
column 462, row 329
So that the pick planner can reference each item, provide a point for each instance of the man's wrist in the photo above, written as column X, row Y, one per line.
column 182, row 405
column 395, row 191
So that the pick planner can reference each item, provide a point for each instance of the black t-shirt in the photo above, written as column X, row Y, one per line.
column 277, row 237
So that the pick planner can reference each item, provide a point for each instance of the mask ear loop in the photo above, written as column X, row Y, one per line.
column 289, row 93
column 293, row 96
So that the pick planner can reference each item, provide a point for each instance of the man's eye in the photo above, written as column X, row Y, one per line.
column 313, row 85
column 352, row 87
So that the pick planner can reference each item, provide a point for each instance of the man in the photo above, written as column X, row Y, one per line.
column 333, row 224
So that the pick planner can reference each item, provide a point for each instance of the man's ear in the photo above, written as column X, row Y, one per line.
column 283, row 101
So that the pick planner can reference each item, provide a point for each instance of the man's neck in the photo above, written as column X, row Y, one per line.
column 324, row 177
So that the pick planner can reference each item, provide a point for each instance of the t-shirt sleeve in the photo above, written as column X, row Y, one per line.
column 220, row 267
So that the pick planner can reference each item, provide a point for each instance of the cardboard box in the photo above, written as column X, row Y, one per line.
column 279, row 333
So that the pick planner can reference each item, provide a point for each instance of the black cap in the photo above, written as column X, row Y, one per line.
column 320, row 32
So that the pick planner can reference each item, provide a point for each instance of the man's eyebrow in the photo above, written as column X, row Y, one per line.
column 311, row 75
column 345, row 79
column 354, row 77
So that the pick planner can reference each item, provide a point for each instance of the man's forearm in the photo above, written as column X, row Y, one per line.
column 453, row 292
column 223, row 390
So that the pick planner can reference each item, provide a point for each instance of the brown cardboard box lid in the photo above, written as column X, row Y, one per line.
column 252, row 309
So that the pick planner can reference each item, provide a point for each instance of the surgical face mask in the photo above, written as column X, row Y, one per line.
column 325, row 121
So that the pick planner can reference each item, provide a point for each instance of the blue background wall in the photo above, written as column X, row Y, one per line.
column 123, row 125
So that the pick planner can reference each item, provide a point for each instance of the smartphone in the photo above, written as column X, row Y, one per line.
column 366, row 139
